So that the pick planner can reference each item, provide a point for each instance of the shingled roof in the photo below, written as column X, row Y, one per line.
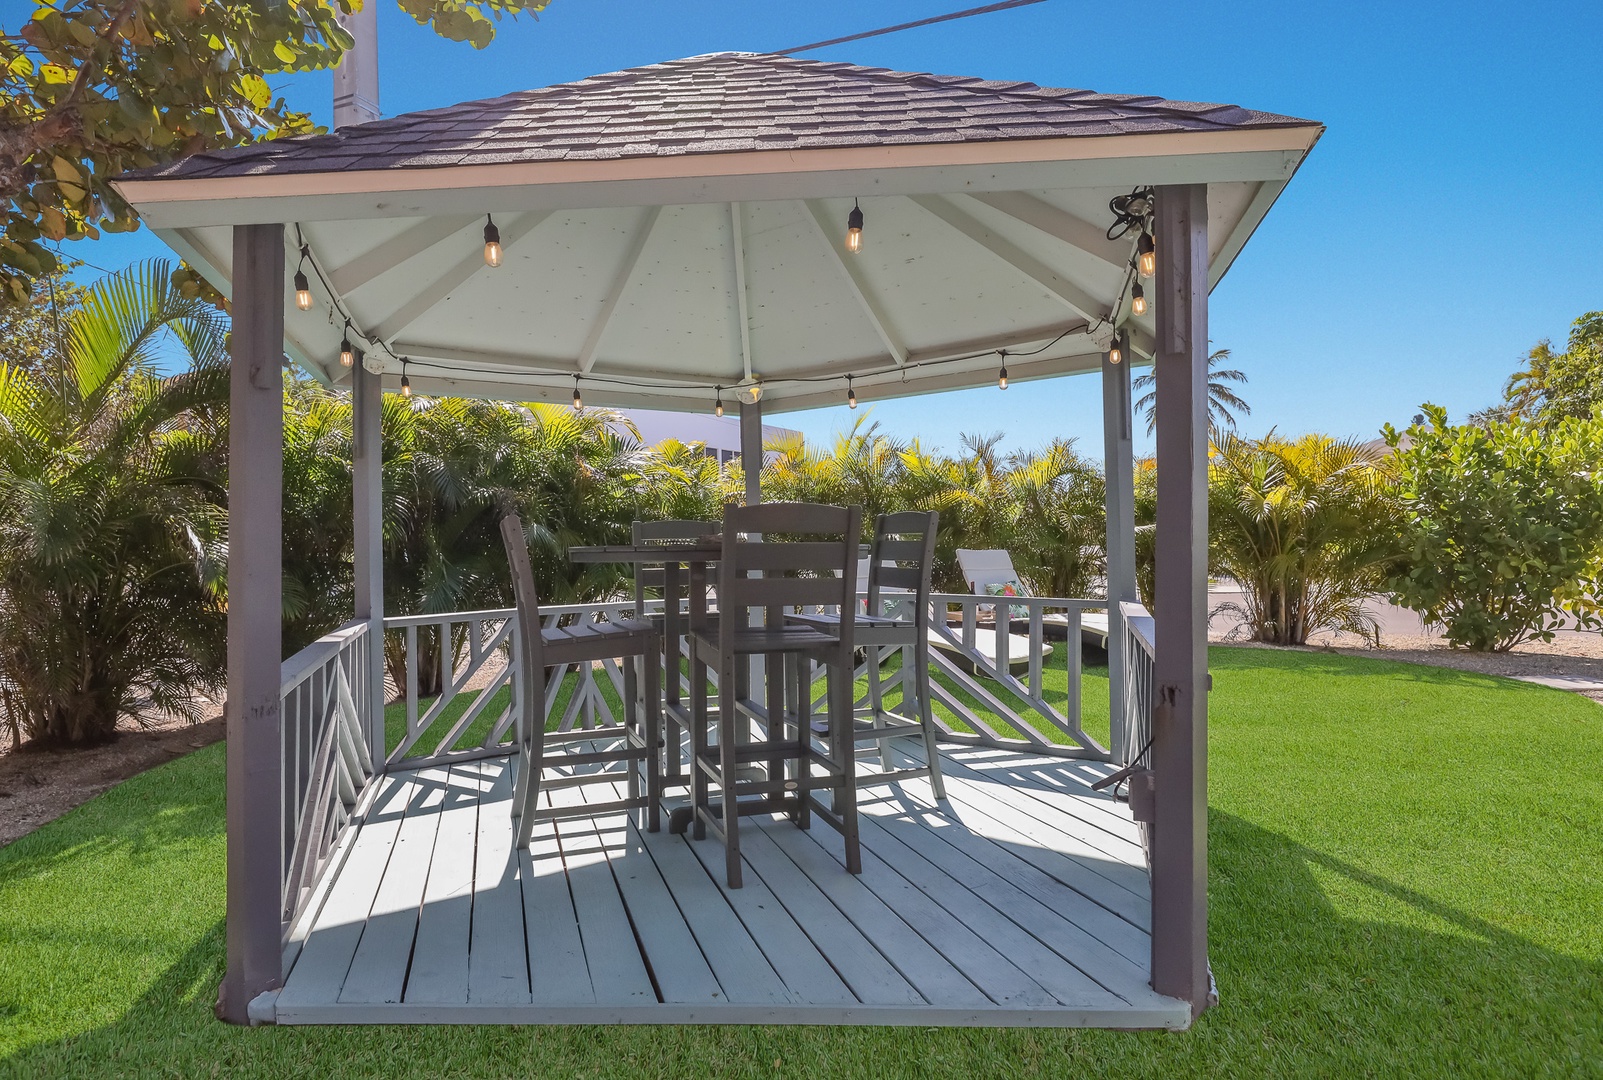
column 719, row 103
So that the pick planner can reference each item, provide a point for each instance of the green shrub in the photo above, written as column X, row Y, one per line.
column 1502, row 527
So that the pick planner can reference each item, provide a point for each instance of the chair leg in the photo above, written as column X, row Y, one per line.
column 673, row 735
column 926, row 715
column 876, row 704
column 804, row 739
column 776, row 666
column 699, row 721
column 633, row 717
column 653, row 741
column 843, row 751
column 728, row 766
column 535, row 761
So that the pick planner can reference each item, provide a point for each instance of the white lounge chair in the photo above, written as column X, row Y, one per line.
column 994, row 566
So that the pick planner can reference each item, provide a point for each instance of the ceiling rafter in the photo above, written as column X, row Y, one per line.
column 393, row 252
column 429, row 296
column 1065, row 291
column 858, row 285
column 637, row 244
column 1057, row 223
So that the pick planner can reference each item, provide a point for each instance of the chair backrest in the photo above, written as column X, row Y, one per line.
column 815, row 563
column 989, row 567
column 663, row 532
column 531, row 686
column 901, row 561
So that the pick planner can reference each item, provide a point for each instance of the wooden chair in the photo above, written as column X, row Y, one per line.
column 897, row 617
column 671, row 625
column 540, row 647
column 770, row 577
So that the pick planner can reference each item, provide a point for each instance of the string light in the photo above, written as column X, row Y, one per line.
column 303, row 288
column 854, row 229
column 1146, row 255
column 851, row 395
column 1138, row 299
column 492, row 242
column 406, row 384
column 1001, row 376
column 578, row 401
column 347, row 354
column 718, row 405
column 1115, row 352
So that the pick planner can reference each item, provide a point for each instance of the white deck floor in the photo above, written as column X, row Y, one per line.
column 1022, row 901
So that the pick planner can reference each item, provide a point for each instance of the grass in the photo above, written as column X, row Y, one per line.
column 1405, row 869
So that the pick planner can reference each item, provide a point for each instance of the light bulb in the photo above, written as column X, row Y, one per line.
column 1146, row 255
column 854, row 230
column 851, row 394
column 754, row 392
column 406, row 386
column 1001, row 379
column 1115, row 354
column 718, row 405
column 1138, row 299
column 578, row 401
column 492, row 242
column 303, row 291
column 347, row 354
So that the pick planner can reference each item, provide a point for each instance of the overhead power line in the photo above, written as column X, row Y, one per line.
column 986, row 10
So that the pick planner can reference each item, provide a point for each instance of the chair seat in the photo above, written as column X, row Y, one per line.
column 597, row 641
column 824, row 620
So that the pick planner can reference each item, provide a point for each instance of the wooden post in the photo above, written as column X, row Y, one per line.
column 255, row 560
column 367, row 503
column 751, row 449
column 1180, row 671
column 1118, row 471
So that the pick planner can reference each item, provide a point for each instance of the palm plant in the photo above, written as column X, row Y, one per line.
column 1058, row 534
column 682, row 481
column 111, row 520
column 1223, row 402
column 1304, row 526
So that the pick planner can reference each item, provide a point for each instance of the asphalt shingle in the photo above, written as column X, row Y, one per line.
column 719, row 103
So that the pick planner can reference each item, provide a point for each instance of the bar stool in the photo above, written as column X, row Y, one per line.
column 671, row 625
column 897, row 617
column 769, row 577
column 540, row 647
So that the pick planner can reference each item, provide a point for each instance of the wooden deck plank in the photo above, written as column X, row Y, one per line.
column 1052, row 851
column 678, row 968
column 498, row 967
column 617, row 970
column 439, row 972
column 1105, row 947
column 931, row 974
column 378, row 971
column 961, row 906
column 740, row 967
column 1064, row 786
column 864, row 969
column 325, row 959
column 558, row 973
column 964, row 943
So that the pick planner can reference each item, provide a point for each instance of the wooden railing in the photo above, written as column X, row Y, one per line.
column 1135, row 746
column 327, row 762
column 993, row 702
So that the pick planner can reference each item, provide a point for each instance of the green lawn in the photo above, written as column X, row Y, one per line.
column 1406, row 881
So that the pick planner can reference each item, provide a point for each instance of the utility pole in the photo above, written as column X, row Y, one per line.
column 356, row 79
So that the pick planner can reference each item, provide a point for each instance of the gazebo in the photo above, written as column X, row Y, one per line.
column 774, row 234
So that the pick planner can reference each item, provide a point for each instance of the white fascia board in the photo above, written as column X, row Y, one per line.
column 751, row 176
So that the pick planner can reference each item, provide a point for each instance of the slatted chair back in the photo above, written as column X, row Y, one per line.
column 652, row 578
column 816, row 563
column 531, row 674
column 901, row 561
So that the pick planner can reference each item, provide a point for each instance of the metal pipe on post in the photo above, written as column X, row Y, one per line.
column 1180, row 667
column 255, row 564
column 367, row 503
column 356, row 78
column 1118, row 471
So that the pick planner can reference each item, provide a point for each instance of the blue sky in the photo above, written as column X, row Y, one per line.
column 1449, row 219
